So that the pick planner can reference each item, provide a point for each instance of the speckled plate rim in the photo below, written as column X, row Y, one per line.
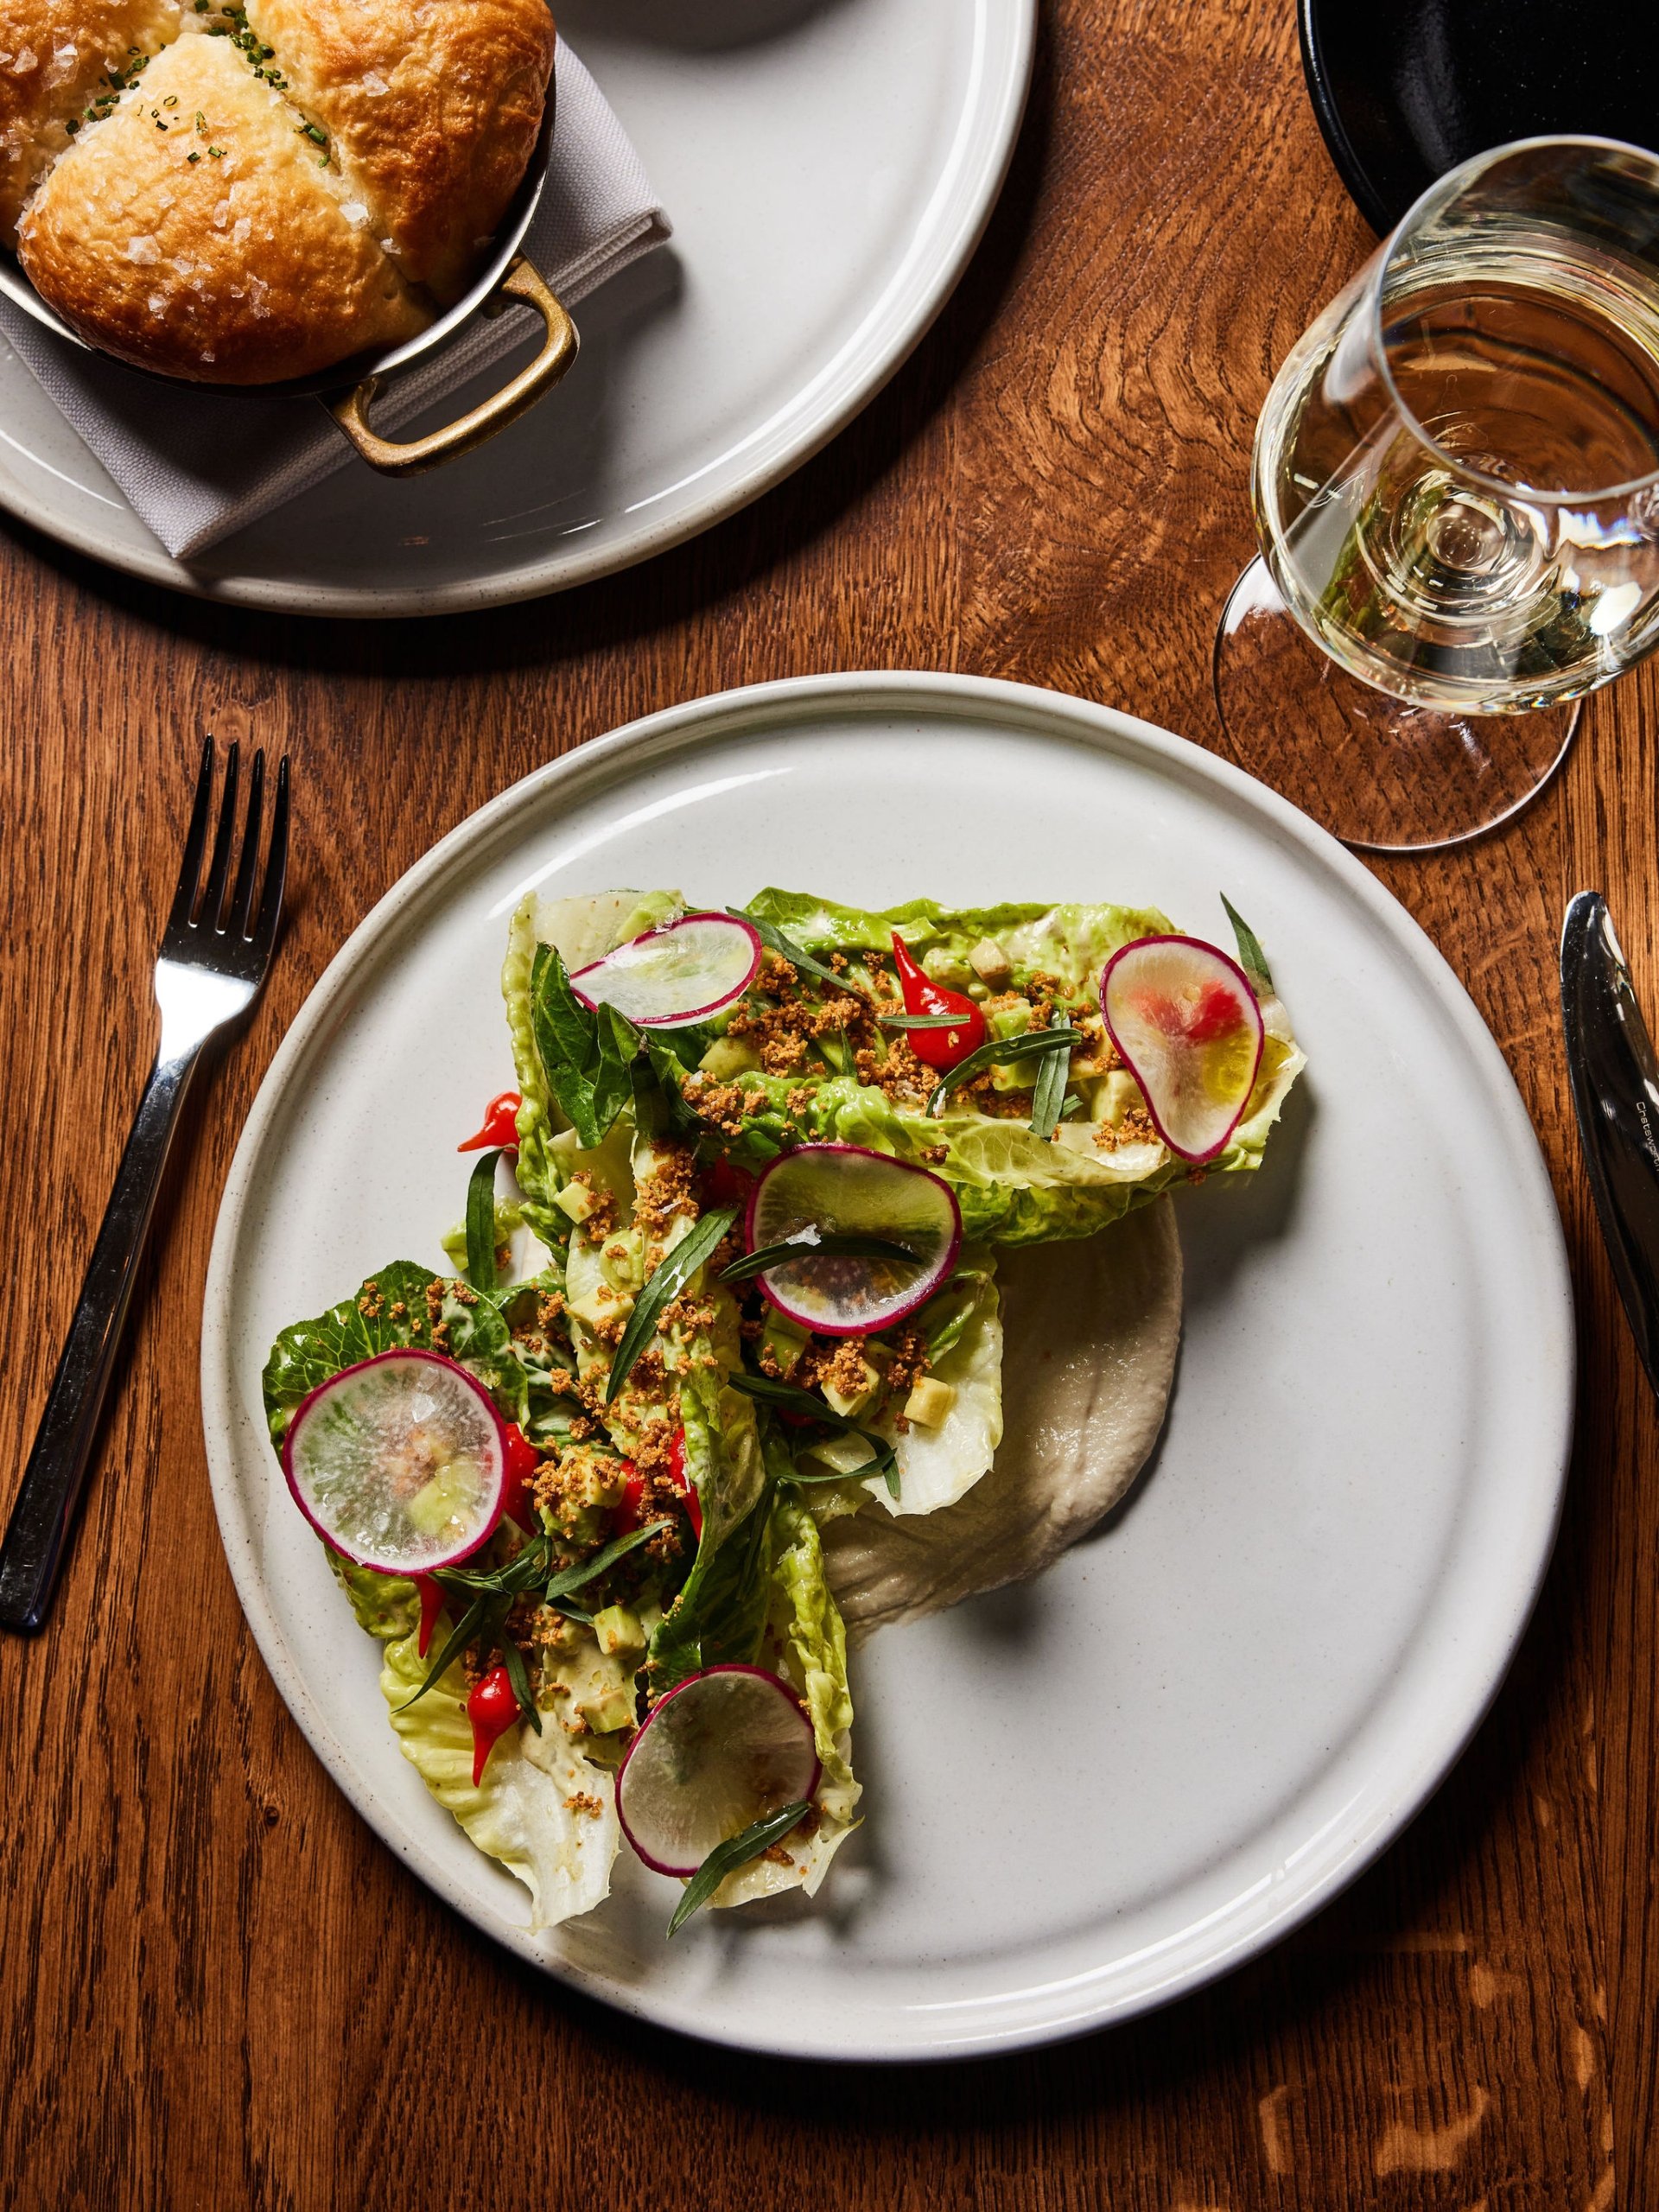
column 1328, row 1862
column 832, row 393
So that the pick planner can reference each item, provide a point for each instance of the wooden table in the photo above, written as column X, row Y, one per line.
column 220, row 1990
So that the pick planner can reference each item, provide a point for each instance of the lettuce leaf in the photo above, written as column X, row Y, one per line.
column 805, row 1632
column 720, row 1615
column 387, row 1312
column 579, row 930
column 1071, row 942
column 387, row 1605
column 544, row 1810
column 938, row 1466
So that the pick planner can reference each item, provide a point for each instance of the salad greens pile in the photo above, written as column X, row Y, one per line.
column 682, row 1438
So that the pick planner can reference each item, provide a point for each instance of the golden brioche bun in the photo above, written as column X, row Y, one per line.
column 317, row 180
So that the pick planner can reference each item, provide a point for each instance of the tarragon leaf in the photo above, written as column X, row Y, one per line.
column 1048, row 1095
column 831, row 1244
column 775, row 941
column 736, row 1851
column 1000, row 1052
column 480, row 1225
column 670, row 1277
column 585, row 1051
column 573, row 1578
column 791, row 1400
column 1251, row 958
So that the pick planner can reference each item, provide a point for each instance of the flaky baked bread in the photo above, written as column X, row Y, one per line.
column 243, row 194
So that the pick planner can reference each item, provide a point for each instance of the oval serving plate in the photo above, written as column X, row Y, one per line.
column 1088, row 1795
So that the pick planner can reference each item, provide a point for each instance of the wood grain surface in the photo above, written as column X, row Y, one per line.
column 219, row 1989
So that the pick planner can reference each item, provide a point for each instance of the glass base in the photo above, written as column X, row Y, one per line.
column 1379, row 773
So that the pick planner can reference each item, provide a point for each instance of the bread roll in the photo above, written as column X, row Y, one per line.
column 260, row 195
column 54, row 56
column 433, row 111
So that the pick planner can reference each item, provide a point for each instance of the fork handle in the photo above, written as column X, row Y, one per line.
column 36, row 1534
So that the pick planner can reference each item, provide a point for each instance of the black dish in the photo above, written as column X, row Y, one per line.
column 1404, row 90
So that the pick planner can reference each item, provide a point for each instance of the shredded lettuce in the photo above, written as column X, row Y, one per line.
column 540, row 1808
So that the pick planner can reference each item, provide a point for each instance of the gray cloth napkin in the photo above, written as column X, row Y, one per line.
column 198, row 466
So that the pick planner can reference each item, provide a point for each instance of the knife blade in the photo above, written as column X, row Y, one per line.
column 1615, row 1078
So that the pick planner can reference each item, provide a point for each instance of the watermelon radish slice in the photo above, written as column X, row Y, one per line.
column 1184, row 1017
column 400, row 1462
column 684, row 971
column 845, row 1190
column 719, row 1752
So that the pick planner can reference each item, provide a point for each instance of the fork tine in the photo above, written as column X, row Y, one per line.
column 211, row 915
column 184, row 898
column 270, row 905
column 247, row 869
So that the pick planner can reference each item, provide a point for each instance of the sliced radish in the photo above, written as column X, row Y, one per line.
column 719, row 1752
column 683, row 972
column 1186, row 1022
column 843, row 1189
column 401, row 1462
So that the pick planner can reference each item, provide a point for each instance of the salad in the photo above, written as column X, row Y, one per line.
column 755, row 1259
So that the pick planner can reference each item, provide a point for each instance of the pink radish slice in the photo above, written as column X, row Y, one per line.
column 684, row 971
column 1186, row 1021
column 719, row 1752
column 400, row 1462
column 844, row 1189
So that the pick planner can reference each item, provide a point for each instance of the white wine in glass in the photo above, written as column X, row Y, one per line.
column 1456, row 485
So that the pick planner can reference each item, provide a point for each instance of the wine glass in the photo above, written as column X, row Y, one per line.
column 1456, row 488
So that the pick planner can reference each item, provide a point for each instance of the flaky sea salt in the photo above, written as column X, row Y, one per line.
column 374, row 85
column 144, row 251
column 355, row 213
column 242, row 230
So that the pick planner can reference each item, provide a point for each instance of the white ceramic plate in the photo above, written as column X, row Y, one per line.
column 829, row 165
column 1087, row 1794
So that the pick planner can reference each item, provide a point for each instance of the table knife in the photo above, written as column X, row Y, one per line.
column 1615, row 1078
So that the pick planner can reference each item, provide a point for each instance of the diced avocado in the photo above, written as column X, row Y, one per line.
column 1012, row 1022
column 942, row 967
column 606, row 1706
column 990, row 963
column 440, row 1501
column 618, row 1630
column 929, row 1401
column 575, row 1199
column 849, row 1405
column 784, row 1338
column 847, row 1455
column 597, row 1288
column 1115, row 1094
column 728, row 1056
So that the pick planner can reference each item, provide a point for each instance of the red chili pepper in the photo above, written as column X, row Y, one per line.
column 936, row 1048
column 431, row 1606
column 682, row 1482
column 723, row 1185
column 523, row 1460
column 628, row 1514
column 501, row 1125
column 492, row 1708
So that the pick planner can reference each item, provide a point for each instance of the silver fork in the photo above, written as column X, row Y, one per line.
column 215, row 957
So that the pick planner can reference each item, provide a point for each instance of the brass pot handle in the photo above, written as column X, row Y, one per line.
column 392, row 458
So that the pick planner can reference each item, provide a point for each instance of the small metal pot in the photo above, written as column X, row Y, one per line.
column 347, row 389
